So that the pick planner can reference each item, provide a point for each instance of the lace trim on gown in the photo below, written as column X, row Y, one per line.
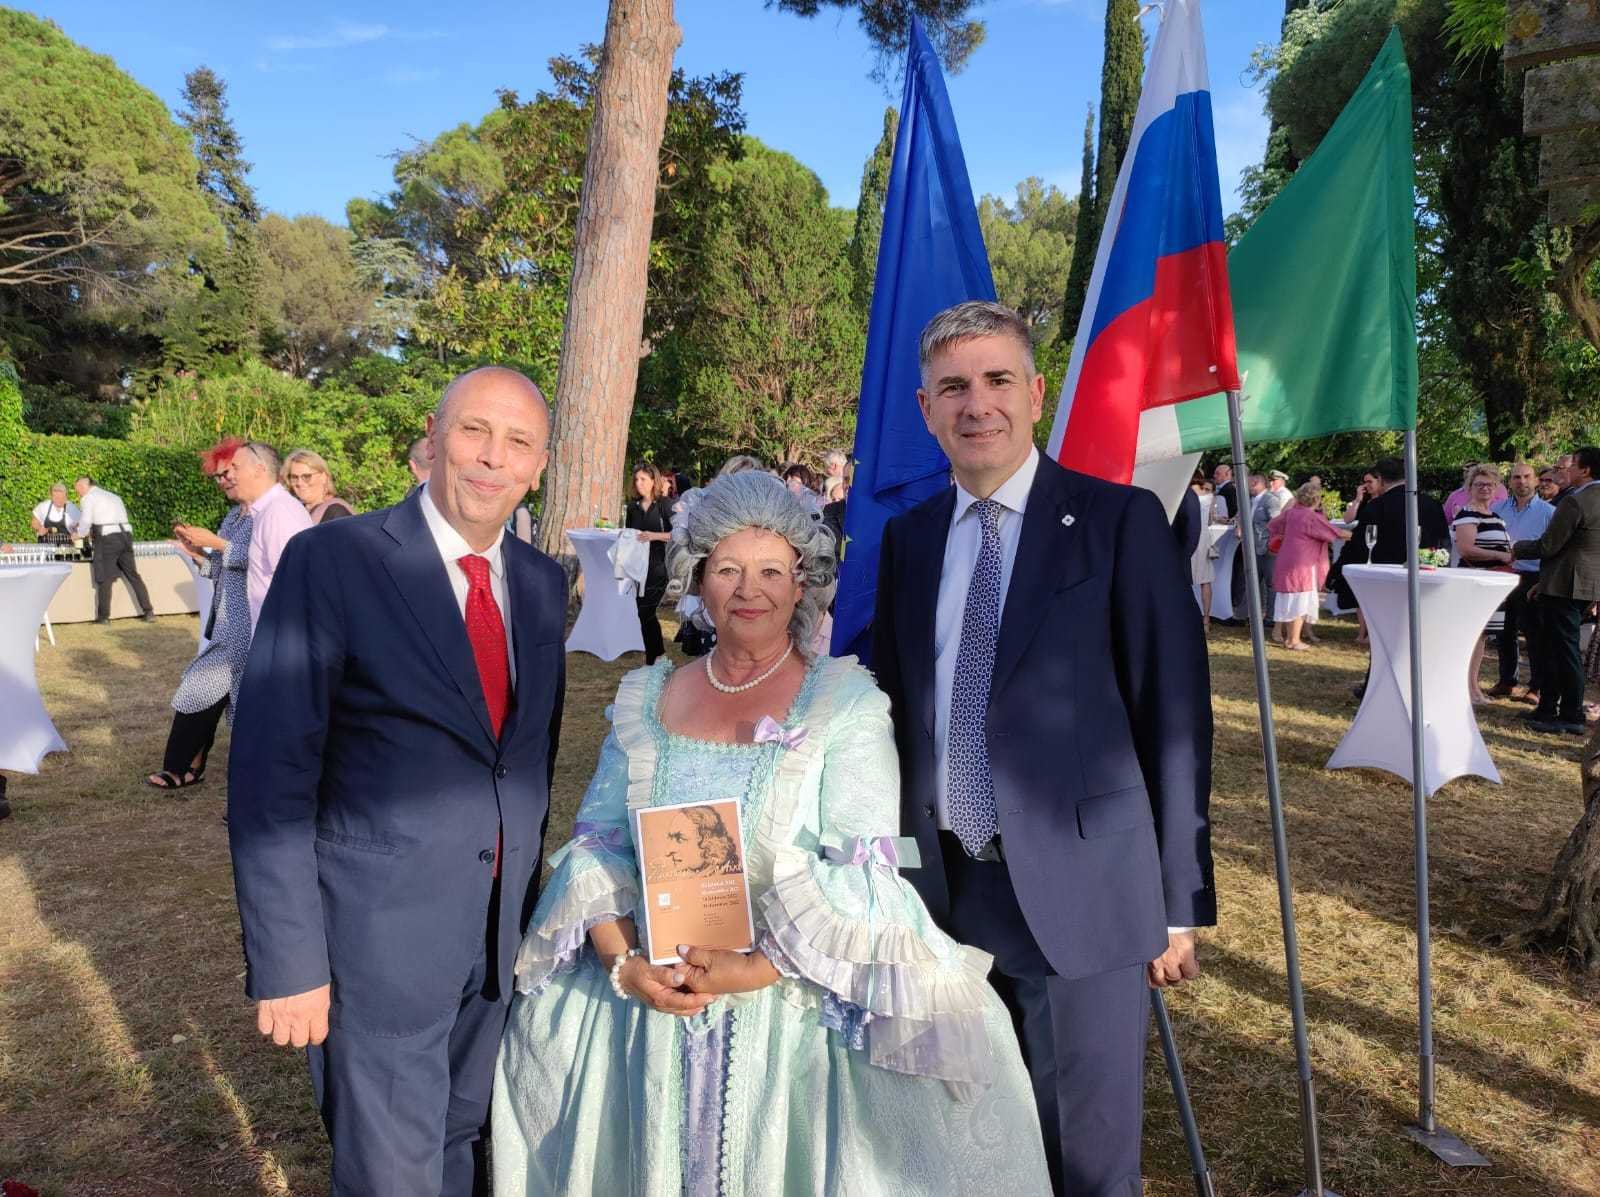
column 923, row 1012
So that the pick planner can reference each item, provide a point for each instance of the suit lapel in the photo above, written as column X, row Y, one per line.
column 419, row 574
column 526, row 618
column 930, row 532
column 1050, row 556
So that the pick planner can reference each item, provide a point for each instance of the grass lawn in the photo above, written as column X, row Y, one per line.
column 129, row 1062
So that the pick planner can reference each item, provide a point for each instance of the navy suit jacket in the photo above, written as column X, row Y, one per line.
column 365, row 786
column 1099, row 721
column 1186, row 524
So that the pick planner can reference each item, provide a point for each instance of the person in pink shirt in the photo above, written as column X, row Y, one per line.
column 1302, row 564
column 276, row 513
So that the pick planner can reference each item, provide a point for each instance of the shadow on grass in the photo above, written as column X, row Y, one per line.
column 1247, row 1103
column 1536, row 1085
column 135, row 885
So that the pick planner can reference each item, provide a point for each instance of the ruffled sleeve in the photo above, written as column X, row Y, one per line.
column 843, row 918
column 594, row 877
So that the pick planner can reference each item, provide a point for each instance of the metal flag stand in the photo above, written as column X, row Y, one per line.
column 1426, row 1131
column 1280, row 842
column 1180, row 1093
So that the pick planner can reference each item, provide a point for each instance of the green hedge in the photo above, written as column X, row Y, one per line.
column 160, row 486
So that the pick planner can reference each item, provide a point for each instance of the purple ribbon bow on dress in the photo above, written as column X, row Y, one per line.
column 888, row 850
column 770, row 731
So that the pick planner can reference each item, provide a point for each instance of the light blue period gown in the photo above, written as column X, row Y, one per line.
column 882, row 1064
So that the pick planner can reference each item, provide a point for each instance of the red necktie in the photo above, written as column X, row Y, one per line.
column 486, row 632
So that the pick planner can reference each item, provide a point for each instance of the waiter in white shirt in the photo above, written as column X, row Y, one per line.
column 55, row 518
column 103, row 516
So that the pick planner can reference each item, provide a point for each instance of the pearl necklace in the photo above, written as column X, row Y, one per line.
column 751, row 685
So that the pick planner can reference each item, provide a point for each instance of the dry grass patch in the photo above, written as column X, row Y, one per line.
column 129, row 1063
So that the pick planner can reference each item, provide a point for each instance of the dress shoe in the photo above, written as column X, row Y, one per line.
column 147, row 617
column 1574, row 729
column 1551, row 727
column 1500, row 690
column 107, row 619
column 5, row 809
column 1531, row 697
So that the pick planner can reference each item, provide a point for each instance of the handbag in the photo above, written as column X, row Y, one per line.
column 1274, row 542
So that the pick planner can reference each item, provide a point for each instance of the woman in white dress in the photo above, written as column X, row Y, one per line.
column 1202, row 568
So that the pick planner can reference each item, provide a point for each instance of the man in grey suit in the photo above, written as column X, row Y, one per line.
column 1569, row 583
column 1265, row 505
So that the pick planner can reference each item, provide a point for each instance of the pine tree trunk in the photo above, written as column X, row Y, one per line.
column 1569, row 923
column 600, row 344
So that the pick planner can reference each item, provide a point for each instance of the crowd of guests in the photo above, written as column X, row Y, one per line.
column 658, row 498
column 1541, row 524
column 272, row 499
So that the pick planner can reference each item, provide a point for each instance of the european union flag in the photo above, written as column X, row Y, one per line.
column 930, row 257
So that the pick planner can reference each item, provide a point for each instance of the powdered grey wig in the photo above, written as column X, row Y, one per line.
column 756, row 500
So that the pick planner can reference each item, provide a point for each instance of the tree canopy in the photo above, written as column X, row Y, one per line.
column 97, row 182
column 314, row 301
column 1030, row 248
column 779, row 340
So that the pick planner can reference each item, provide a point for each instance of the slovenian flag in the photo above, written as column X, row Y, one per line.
column 1157, row 325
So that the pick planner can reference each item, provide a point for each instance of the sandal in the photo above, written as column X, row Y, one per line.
column 170, row 781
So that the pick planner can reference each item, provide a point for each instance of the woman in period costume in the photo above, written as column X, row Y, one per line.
column 858, row 1050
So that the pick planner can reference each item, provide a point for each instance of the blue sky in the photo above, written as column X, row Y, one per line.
column 323, row 93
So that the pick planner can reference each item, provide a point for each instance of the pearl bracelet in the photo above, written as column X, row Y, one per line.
column 616, row 972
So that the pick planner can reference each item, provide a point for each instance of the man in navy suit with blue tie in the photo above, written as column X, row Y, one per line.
column 1037, row 637
column 388, row 793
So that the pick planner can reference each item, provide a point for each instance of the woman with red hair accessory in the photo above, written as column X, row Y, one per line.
column 211, row 680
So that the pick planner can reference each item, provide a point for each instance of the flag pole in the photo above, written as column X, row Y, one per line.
column 1426, row 1131
column 1203, row 1186
column 1280, row 842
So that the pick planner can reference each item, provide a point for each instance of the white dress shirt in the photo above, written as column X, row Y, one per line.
column 47, row 511
column 452, row 547
column 961, row 548
column 101, row 508
column 960, row 559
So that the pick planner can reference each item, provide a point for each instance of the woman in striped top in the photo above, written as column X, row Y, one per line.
column 1481, row 542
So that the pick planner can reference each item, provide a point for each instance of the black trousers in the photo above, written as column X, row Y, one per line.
column 649, row 622
column 191, row 736
column 1083, row 1040
column 113, row 556
column 1522, row 618
column 1562, row 695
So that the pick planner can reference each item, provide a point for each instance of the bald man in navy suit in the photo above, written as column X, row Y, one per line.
column 1037, row 636
column 388, row 794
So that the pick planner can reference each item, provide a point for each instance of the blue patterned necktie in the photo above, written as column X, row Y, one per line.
column 969, row 786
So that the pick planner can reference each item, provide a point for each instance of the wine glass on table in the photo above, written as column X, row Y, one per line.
column 1372, row 541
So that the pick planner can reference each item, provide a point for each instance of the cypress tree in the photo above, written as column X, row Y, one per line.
column 229, row 321
column 863, row 250
column 1084, row 241
column 1121, row 80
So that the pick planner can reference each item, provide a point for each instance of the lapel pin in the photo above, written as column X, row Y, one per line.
column 1068, row 520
